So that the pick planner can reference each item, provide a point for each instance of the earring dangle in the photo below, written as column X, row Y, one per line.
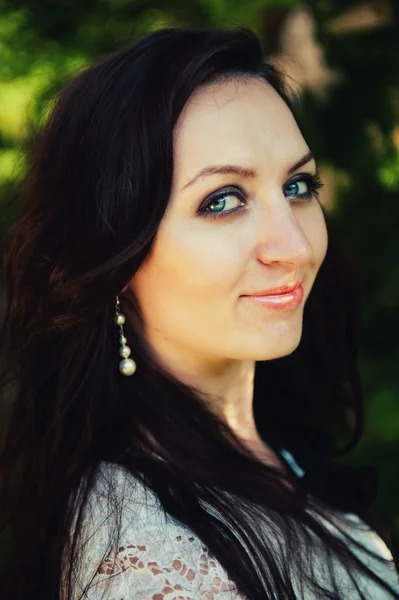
column 127, row 366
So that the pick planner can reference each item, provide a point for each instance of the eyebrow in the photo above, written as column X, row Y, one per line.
column 243, row 171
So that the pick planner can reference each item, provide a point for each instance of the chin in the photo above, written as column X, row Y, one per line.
column 269, row 342
column 278, row 353
column 288, row 350
column 271, row 351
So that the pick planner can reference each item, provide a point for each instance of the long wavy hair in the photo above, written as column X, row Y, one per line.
column 97, row 187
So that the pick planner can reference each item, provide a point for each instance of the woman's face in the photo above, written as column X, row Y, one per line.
column 190, row 288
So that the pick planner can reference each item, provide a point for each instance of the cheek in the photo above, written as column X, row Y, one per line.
column 322, row 239
column 189, row 263
column 314, row 227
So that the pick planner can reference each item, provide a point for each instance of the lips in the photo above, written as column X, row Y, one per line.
column 284, row 289
column 280, row 302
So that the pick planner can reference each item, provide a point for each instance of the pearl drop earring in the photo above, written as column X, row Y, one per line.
column 127, row 366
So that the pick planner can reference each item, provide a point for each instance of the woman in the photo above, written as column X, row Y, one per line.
column 175, row 418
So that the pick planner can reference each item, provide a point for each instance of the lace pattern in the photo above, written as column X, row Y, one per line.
column 139, row 572
column 156, row 557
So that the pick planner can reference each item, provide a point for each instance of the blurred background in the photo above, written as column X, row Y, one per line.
column 342, row 57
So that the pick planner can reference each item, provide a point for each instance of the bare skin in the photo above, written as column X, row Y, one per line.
column 190, row 286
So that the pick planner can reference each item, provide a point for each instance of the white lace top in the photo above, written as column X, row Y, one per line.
column 159, row 558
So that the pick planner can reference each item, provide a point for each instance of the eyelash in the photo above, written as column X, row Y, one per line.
column 314, row 183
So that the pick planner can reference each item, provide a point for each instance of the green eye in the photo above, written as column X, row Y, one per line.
column 298, row 188
column 222, row 201
column 304, row 187
column 227, row 196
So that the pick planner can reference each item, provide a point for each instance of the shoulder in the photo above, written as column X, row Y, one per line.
column 117, row 491
column 131, row 549
column 357, row 529
column 354, row 530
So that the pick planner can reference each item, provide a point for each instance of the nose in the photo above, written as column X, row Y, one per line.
column 281, row 238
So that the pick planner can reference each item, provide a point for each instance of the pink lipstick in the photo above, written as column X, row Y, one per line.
column 282, row 298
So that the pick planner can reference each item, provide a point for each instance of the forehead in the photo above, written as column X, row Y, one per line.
column 238, row 122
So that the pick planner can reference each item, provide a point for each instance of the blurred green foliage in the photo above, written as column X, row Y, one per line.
column 353, row 128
